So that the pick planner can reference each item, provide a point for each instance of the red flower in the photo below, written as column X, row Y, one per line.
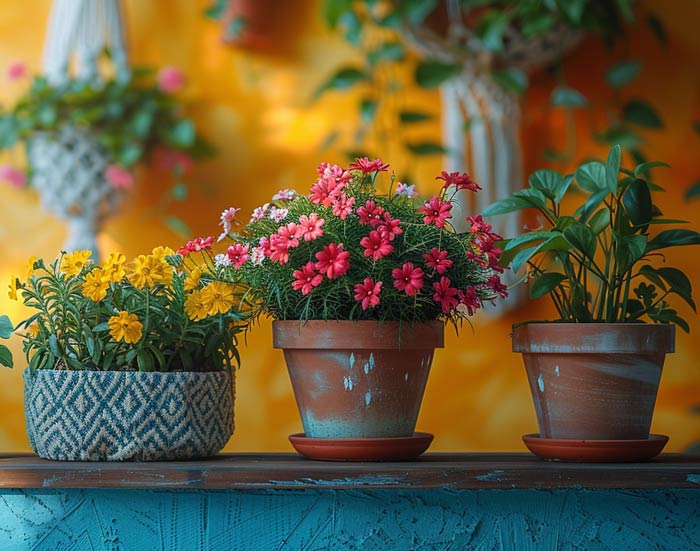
column 290, row 234
column 196, row 245
column 494, row 282
column 311, row 226
column 238, row 255
column 478, row 225
column 367, row 166
column 459, row 180
column 342, row 206
column 470, row 300
column 445, row 295
column 390, row 228
column 436, row 211
column 376, row 245
column 333, row 261
column 306, row 279
column 367, row 293
column 279, row 249
column 438, row 260
column 408, row 279
column 370, row 213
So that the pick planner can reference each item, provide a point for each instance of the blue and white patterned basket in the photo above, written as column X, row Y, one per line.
column 127, row 415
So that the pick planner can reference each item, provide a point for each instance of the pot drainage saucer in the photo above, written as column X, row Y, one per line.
column 362, row 449
column 596, row 451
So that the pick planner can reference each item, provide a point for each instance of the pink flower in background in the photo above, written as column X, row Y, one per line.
column 438, row 260
column 367, row 166
column 376, row 245
column 459, row 180
column 170, row 79
column 16, row 70
column 13, row 176
column 195, row 245
column 238, row 255
column 367, row 293
column 333, row 261
column 226, row 219
column 119, row 177
column 470, row 300
column 445, row 294
column 259, row 212
column 436, row 212
column 408, row 279
column 306, row 279
column 277, row 214
column 311, row 226
column 172, row 159
column 406, row 190
column 284, row 195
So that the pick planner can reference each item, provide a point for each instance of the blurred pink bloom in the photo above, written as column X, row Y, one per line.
column 16, row 70
column 172, row 159
column 170, row 79
column 119, row 177
column 13, row 176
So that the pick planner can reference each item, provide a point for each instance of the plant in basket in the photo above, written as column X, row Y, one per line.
column 129, row 360
column 360, row 277
column 594, row 374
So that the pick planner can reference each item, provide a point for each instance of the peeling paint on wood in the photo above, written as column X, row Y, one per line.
column 360, row 519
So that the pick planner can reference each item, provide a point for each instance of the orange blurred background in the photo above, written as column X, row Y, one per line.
column 258, row 112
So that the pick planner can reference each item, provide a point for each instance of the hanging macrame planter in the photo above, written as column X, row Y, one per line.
column 68, row 166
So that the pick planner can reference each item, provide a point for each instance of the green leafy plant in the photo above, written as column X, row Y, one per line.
column 354, row 249
column 5, row 333
column 156, row 313
column 598, row 263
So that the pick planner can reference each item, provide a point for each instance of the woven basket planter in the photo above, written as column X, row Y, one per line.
column 126, row 415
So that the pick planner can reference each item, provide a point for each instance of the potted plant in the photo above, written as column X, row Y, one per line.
column 594, row 374
column 83, row 137
column 360, row 278
column 128, row 361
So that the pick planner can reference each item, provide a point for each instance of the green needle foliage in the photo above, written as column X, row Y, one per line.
column 599, row 263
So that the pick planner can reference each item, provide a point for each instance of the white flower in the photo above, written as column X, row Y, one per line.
column 257, row 256
column 278, row 214
column 259, row 212
column 226, row 218
column 406, row 190
column 222, row 261
column 284, row 195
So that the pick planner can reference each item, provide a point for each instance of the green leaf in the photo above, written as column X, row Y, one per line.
column 657, row 27
column 178, row 226
column 671, row 316
column 388, row 51
column 591, row 176
column 183, row 133
column 522, row 258
column 342, row 79
column 144, row 360
column 537, row 24
column 630, row 249
column 6, row 327
column 567, row 97
column 179, row 191
column 526, row 238
column 679, row 284
column 5, row 356
column 581, row 237
column 416, row 10
column 600, row 220
column 410, row 117
column 623, row 73
column 130, row 154
column 425, row 148
column 491, row 27
column 504, row 206
column 104, row 326
column 216, row 9
column 693, row 191
column 612, row 168
column 53, row 346
column 643, row 168
column 637, row 202
column 649, row 272
column 620, row 135
column 546, row 181
column 545, row 283
column 641, row 113
column 534, row 197
column 333, row 10
column 512, row 80
column 431, row 74
column 591, row 205
column 236, row 27
column 673, row 238
column 368, row 110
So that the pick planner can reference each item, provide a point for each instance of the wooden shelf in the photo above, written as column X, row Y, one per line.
column 292, row 472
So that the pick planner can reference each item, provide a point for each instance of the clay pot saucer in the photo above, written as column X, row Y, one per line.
column 362, row 449
column 596, row 451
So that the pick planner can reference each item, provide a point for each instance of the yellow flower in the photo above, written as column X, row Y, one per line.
column 33, row 329
column 162, row 252
column 220, row 295
column 125, row 327
column 114, row 267
column 146, row 271
column 96, row 284
column 12, row 293
column 197, row 305
column 192, row 279
column 73, row 263
column 30, row 266
column 162, row 272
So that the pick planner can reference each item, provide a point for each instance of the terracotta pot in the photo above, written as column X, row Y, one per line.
column 358, row 379
column 594, row 381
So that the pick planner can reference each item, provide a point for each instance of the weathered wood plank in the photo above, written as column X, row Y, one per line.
column 292, row 472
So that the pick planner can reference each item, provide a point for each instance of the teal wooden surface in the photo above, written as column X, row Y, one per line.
column 392, row 520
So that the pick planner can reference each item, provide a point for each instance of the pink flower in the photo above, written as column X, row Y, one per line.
column 16, row 70
column 119, row 177
column 279, row 249
column 367, row 166
column 259, row 212
column 406, row 190
column 290, row 233
column 370, row 213
column 306, row 279
column 311, row 226
column 494, row 283
column 478, row 225
column 333, row 261
column 478, row 259
column 172, row 159
column 264, row 246
column 334, row 173
column 170, row 79
column 284, row 195
column 376, row 245
column 225, row 220
column 459, row 180
column 342, row 206
column 277, row 214
column 445, row 295
column 367, row 293
column 408, row 279
column 195, row 245
column 436, row 212
column 328, row 187
column 438, row 260
column 390, row 228
column 13, row 176
column 470, row 299
column 257, row 256
column 238, row 255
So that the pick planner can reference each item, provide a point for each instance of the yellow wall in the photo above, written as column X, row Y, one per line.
column 257, row 111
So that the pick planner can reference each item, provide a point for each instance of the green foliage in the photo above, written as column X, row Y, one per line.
column 161, row 312
column 5, row 333
column 597, row 264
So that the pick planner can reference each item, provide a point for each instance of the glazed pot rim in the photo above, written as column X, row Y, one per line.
column 120, row 373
